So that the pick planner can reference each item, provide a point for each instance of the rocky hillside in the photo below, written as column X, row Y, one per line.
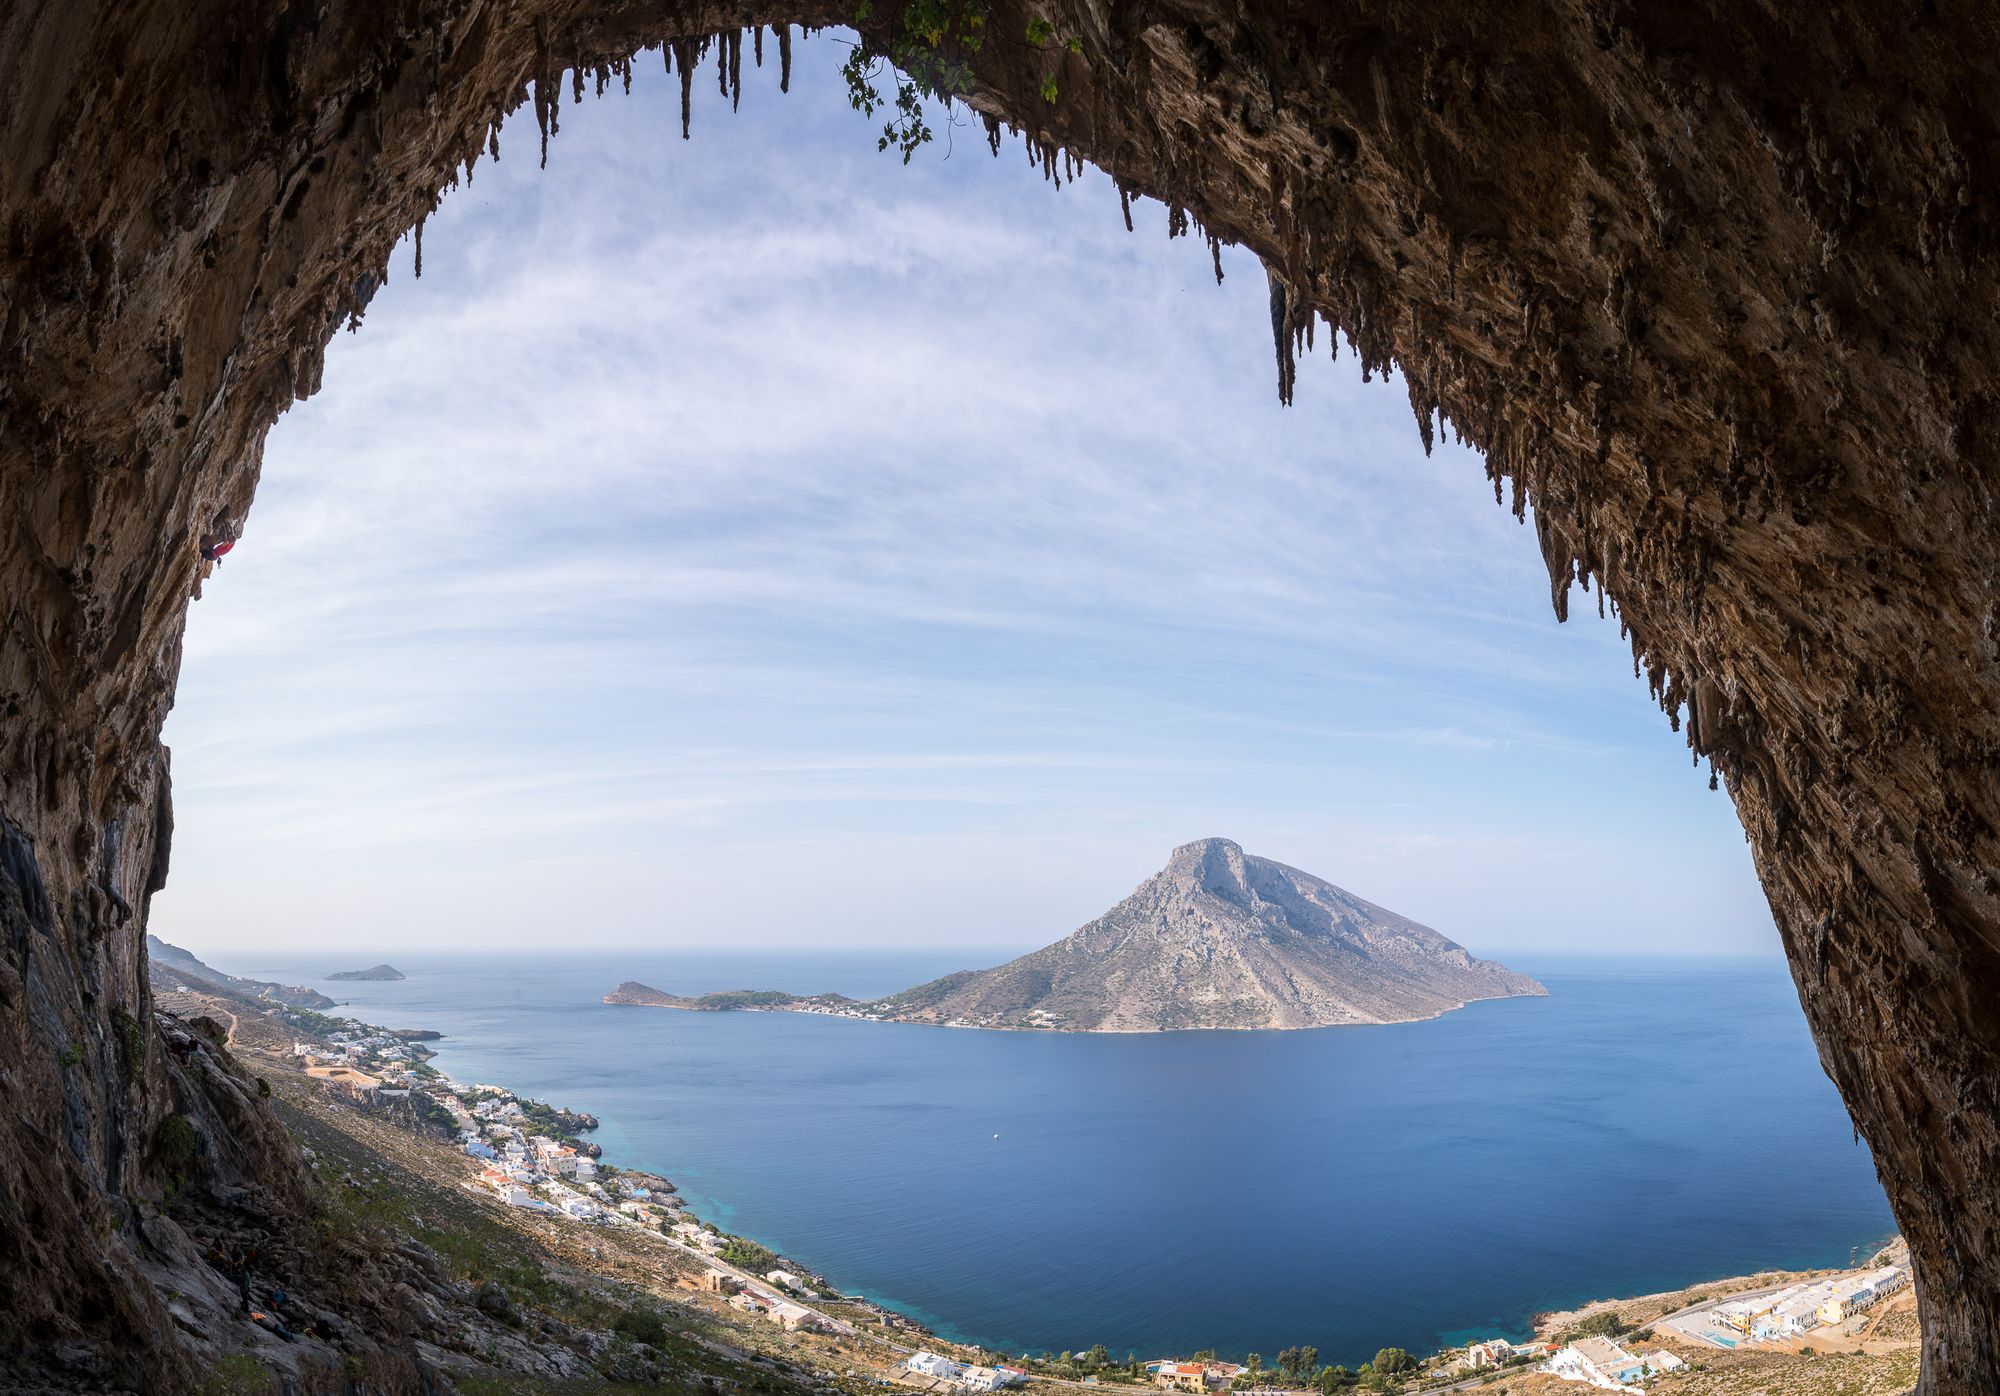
column 172, row 968
column 1221, row 939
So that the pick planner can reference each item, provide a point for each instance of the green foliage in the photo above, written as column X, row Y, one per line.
column 1098, row 1357
column 747, row 1255
column 744, row 998
column 641, row 1326
column 1391, row 1365
column 1205, row 1355
column 1295, row 1365
column 236, row 1375
column 1604, row 1324
column 71, row 1055
column 1049, row 90
column 1332, row 1379
column 929, row 50
column 263, row 1089
column 131, row 1039
column 174, row 1143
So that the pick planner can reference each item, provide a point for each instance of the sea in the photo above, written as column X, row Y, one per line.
column 1648, row 1125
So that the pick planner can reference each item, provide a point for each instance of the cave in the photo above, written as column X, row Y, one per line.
column 1715, row 296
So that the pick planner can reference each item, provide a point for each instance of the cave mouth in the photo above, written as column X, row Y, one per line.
column 1720, row 307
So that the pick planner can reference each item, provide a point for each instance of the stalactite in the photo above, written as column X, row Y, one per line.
column 785, row 58
column 684, row 59
column 993, row 139
column 1215, row 255
column 1281, row 336
column 419, row 258
column 1124, row 204
column 735, row 69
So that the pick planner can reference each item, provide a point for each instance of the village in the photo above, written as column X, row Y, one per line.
column 523, row 1165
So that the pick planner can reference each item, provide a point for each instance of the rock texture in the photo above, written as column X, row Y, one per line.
column 1222, row 939
column 1714, row 292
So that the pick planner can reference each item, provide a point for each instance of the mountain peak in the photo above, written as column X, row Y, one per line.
column 1219, row 938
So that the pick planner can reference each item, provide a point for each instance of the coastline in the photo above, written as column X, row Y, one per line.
column 801, row 1007
column 480, row 1046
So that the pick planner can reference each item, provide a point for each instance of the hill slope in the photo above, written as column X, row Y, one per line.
column 1221, row 939
column 170, row 966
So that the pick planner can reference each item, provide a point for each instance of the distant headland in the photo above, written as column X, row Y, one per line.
column 1216, row 939
column 372, row 972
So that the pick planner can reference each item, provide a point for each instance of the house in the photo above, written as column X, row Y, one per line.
column 783, row 1279
column 1663, row 1361
column 1490, row 1353
column 720, row 1282
column 931, row 1365
column 791, row 1317
column 981, row 1379
column 1184, row 1376
column 1887, row 1281
column 1218, row 1375
column 1798, row 1314
column 1598, row 1361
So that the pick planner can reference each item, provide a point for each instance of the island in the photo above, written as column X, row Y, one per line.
column 635, row 994
column 1216, row 939
column 372, row 972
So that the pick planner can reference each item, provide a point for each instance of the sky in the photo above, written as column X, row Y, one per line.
column 753, row 542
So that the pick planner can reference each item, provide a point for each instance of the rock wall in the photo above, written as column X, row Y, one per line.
column 1714, row 292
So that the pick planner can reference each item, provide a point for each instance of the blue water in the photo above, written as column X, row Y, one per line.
column 1648, row 1125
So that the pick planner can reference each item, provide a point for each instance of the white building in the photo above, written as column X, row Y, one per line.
column 932, row 1365
column 982, row 1379
column 1598, row 1361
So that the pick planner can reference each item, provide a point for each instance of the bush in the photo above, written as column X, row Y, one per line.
column 747, row 1255
column 131, row 1039
column 641, row 1326
column 1604, row 1324
column 175, row 1142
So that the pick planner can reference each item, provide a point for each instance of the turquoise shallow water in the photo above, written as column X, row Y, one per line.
column 1648, row 1125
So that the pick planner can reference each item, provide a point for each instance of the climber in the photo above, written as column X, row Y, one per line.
column 220, row 538
column 242, row 1260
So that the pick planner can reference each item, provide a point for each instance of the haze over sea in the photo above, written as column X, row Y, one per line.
column 1650, row 1124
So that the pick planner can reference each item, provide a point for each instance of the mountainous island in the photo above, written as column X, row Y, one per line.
column 172, row 967
column 373, row 972
column 1216, row 939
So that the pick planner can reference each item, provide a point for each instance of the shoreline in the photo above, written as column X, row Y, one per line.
column 691, row 1007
